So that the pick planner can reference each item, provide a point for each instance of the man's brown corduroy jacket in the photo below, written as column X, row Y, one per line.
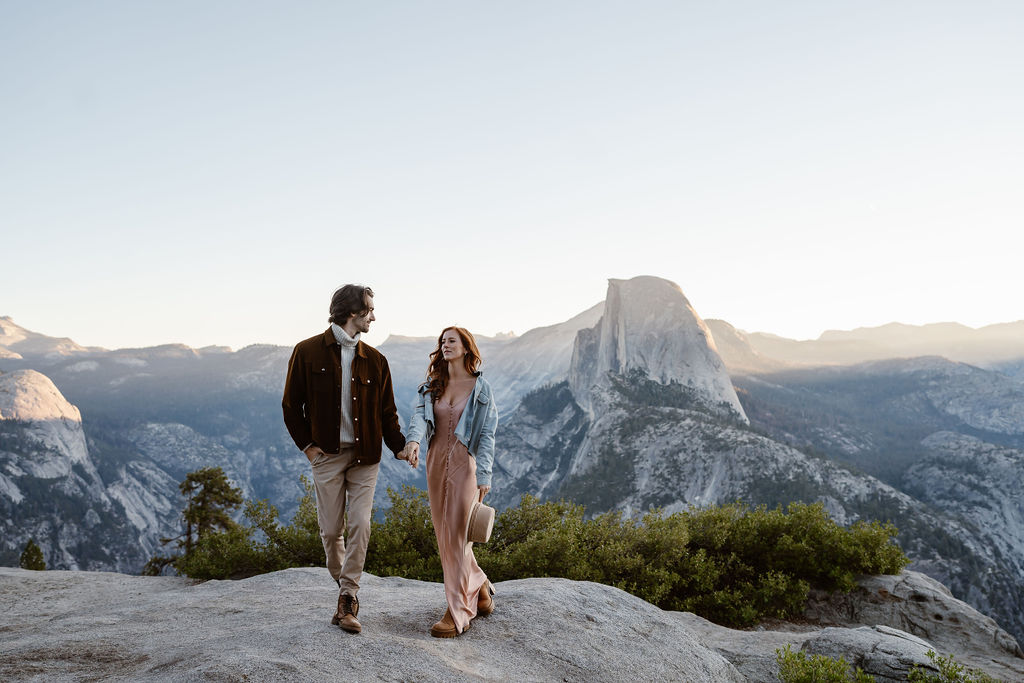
column 312, row 399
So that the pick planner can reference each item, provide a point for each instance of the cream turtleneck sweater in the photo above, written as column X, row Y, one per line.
column 348, row 354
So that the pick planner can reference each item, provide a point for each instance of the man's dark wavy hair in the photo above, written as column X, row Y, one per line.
column 348, row 301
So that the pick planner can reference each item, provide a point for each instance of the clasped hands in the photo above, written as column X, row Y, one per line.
column 411, row 453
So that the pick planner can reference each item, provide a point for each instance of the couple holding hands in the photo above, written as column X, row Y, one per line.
column 339, row 405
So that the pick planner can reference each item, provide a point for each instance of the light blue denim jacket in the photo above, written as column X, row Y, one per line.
column 475, row 429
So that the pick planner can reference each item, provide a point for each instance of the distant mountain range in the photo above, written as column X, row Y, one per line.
column 993, row 346
column 636, row 402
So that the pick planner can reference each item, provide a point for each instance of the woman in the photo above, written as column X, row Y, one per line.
column 455, row 412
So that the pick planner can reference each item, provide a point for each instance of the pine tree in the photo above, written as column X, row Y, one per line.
column 211, row 497
column 32, row 557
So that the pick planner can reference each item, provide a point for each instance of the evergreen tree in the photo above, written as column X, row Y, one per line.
column 210, row 498
column 32, row 557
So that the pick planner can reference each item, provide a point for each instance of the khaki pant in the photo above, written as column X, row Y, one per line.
column 335, row 478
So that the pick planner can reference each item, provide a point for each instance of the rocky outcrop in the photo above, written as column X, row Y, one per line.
column 918, row 604
column 50, row 489
column 885, row 626
column 58, row 626
column 30, row 398
column 981, row 483
column 983, row 400
column 752, row 652
column 648, row 327
column 885, row 653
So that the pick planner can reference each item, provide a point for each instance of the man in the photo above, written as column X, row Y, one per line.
column 338, row 403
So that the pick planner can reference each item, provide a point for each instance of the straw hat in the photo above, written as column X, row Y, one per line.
column 481, row 521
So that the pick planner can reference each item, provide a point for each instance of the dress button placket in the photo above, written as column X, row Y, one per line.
column 448, row 448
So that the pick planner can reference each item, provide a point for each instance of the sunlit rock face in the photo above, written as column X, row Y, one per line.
column 50, row 488
column 53, row 424
column 649, row 329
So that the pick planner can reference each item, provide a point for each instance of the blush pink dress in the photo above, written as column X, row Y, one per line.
column 451, row 486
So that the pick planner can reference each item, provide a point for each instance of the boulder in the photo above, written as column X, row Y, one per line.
column 886, row 653
column 918, row 604
column 881, row 651
column 751, row 651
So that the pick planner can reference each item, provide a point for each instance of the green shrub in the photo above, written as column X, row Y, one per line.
column 797, row 667
column 534, row 539
column 552, row 539
column 731, row 564
column 260, row 546
column 32, row 557
column 299, row 543
column 404, row 543
column 949, row 672
column 746, row 564
column 229, row 554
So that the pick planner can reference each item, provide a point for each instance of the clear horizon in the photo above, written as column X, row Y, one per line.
column 211, row 173
column 374, row 339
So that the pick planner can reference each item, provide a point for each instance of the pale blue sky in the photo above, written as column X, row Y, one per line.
column 207, row 172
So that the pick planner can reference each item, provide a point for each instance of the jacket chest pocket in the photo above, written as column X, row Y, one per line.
column 320, row 379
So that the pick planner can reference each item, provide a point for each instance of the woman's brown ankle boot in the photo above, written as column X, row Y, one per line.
column 485, row 605
column 446, row 627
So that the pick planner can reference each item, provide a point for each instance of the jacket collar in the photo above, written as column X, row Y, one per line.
column 328, row 340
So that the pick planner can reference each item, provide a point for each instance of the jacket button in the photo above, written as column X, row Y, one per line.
column 356, row 419
column 357, row 438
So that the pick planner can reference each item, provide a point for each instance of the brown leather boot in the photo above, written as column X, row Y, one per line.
column 345, row 617
column 485, row 603
column 446, row 627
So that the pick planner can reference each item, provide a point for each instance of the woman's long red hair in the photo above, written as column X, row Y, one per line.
column 437, row 372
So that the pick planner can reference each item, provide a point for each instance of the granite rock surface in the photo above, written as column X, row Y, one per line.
column 60, row 625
